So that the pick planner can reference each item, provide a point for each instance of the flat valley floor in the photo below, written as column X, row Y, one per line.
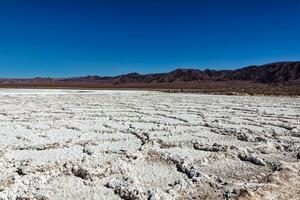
column 78, row 144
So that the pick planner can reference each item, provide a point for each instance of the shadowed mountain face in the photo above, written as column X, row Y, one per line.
column 274, row 73
column 283, row 73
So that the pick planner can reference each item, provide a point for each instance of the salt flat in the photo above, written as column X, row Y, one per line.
column 71, row 144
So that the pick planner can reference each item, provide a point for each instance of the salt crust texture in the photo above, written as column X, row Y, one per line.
column 72, row 144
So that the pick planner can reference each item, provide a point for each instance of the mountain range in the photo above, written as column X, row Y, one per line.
column 279, row 73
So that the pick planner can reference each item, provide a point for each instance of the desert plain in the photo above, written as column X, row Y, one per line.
column 102, row 144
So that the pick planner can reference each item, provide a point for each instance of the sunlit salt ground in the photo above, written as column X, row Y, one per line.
column 58, row 91
column 101, row 144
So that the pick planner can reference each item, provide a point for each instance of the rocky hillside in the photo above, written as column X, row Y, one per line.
column 280, row 73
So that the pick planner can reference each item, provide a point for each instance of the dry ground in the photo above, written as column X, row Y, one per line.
column 209, row 87
column 68, row 144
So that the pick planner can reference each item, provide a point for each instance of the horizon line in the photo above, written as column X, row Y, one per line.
column 131, row 72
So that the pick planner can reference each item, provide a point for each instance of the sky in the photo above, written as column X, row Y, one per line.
column 52, row 38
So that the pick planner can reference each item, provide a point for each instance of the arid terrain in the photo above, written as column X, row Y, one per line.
column 280, row 78
column 80, row 144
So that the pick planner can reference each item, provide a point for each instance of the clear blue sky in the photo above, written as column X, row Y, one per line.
column 71, row 38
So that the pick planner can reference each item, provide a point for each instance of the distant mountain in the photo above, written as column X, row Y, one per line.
column 283, row 73
column 274, row 73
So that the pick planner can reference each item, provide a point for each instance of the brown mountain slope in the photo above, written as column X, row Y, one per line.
column 280, row 73
column 274, row 73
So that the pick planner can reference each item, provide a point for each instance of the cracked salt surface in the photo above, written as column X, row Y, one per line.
column 101, row 144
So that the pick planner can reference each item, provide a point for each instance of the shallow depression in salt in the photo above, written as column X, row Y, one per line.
column 111, row 144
